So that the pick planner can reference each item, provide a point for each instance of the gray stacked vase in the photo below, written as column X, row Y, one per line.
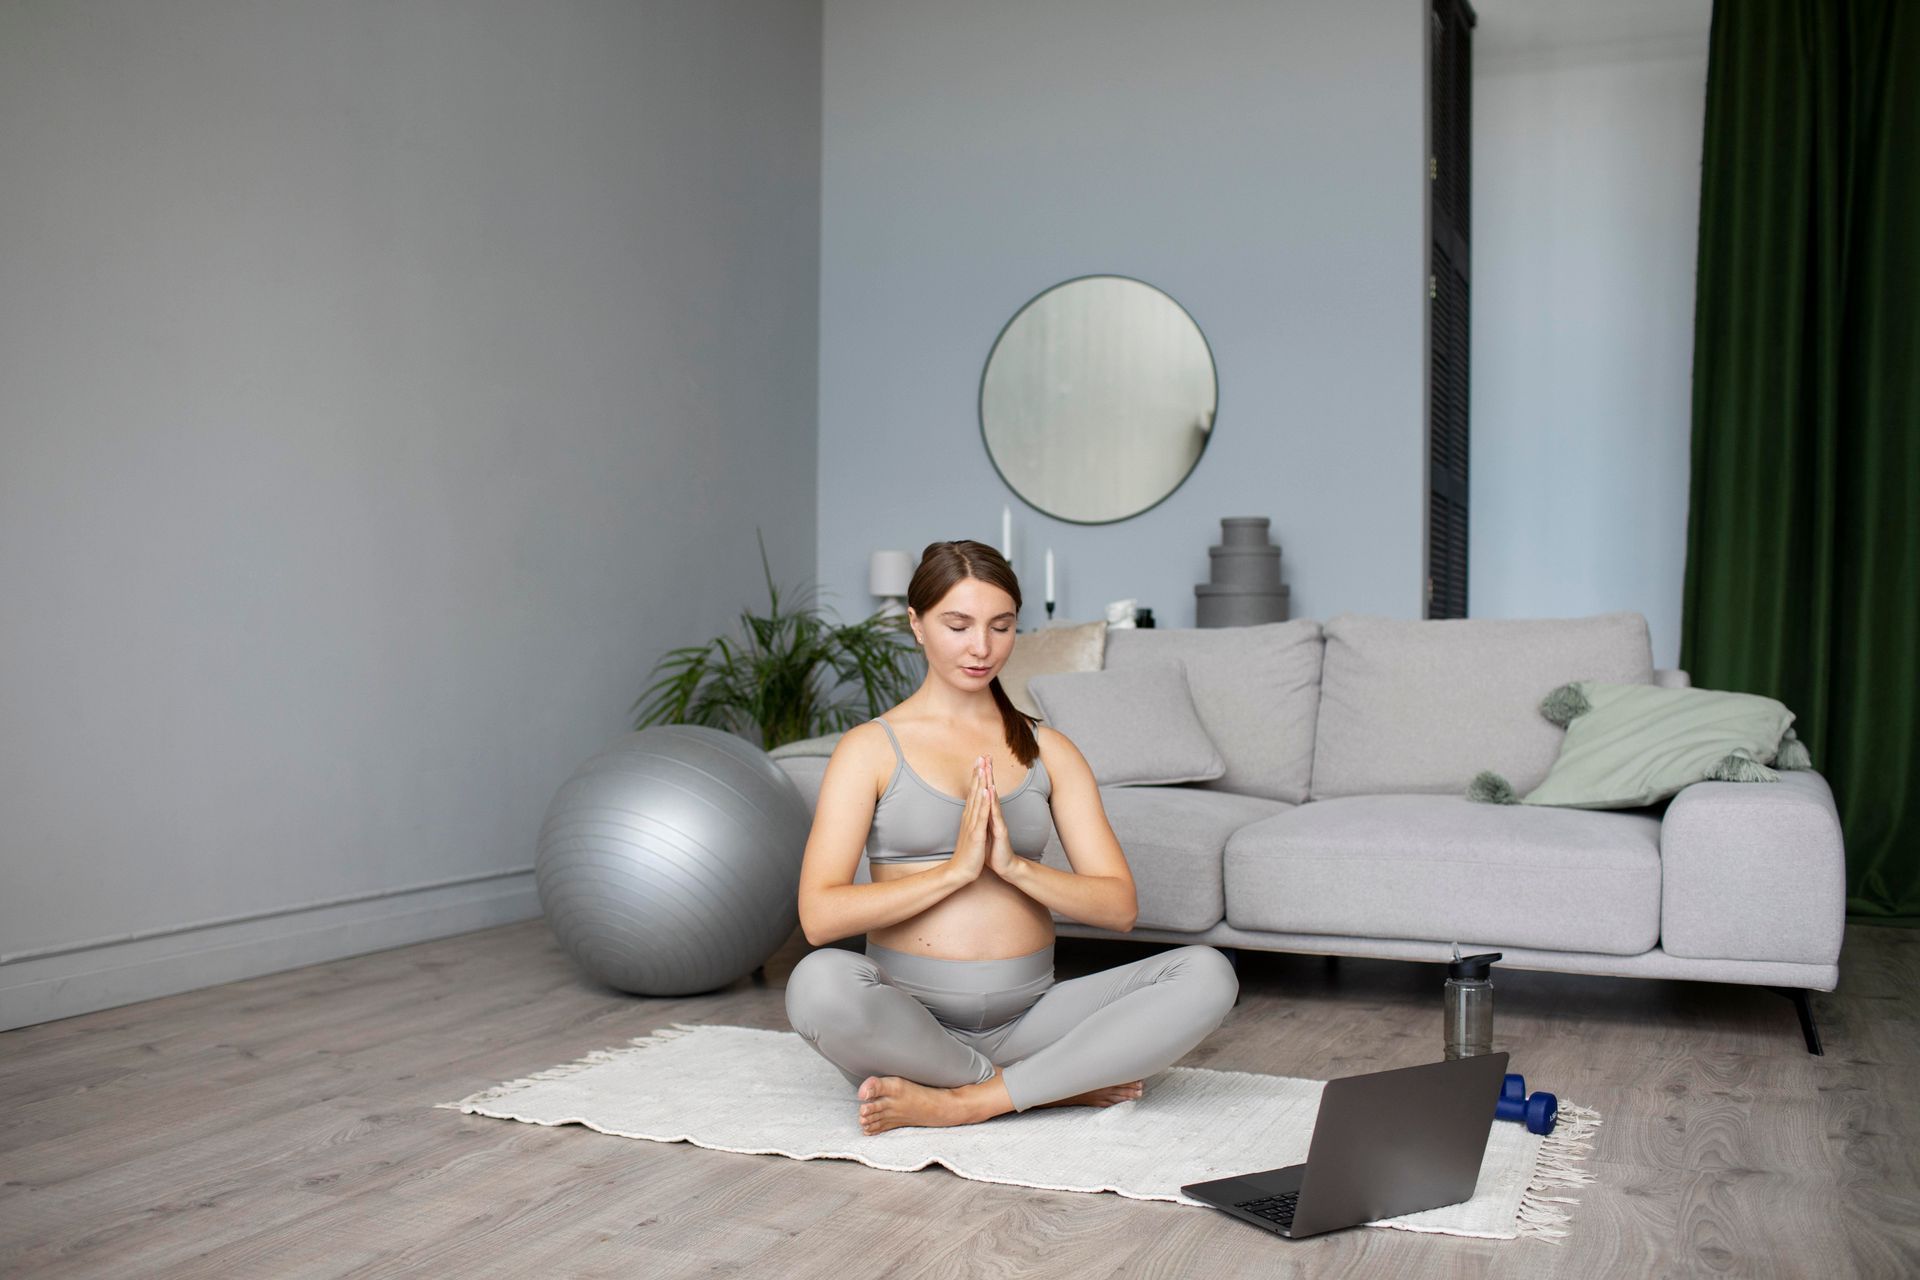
column 1246, row 589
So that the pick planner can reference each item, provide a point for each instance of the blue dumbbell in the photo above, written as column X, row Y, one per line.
column 1537, row 1113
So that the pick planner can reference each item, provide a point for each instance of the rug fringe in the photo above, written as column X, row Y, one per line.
column 1549, row 1217
column 472, row 1101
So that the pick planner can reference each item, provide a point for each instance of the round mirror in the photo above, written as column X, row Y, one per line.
column 1098, row 399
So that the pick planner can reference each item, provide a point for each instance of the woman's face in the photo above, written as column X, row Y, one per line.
column 968, row 634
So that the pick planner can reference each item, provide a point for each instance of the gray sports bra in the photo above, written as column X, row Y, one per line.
column 915, row 823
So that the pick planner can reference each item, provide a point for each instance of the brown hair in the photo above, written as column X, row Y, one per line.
column 941, row 565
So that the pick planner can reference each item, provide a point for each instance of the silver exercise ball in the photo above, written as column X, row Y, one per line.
column 669, row 863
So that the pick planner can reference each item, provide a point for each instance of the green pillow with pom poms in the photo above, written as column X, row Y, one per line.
column 1629, row 745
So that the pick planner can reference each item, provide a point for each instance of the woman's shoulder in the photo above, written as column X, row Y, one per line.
column 864, row 752
column 1057, row 750
column 862, row 737
column 864, row 744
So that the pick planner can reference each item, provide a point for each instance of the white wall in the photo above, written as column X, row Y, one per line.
column 383, row 388
column 1263, row 161
column 1586, row 148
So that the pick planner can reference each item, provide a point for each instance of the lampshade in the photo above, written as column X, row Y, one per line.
column 889, row 572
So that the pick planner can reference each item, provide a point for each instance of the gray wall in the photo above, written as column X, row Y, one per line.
column 383, row 388
column 1263, row 162
column 1587, row 138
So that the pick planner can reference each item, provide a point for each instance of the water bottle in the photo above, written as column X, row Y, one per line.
column 1469, row 1014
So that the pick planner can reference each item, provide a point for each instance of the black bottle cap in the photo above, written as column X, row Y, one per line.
column 1472, row 968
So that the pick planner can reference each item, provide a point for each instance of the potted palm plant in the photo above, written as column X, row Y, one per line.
column 781, row 678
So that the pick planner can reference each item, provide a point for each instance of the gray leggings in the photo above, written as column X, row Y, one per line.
column 948, row 1023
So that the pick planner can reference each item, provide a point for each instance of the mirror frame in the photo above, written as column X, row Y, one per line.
column 981, row 399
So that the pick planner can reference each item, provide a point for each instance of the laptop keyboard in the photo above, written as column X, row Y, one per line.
column 1275, row 1209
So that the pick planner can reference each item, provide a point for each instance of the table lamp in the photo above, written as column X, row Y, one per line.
column 888, row 573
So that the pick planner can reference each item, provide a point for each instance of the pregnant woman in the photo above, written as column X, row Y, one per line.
column 952, row 1016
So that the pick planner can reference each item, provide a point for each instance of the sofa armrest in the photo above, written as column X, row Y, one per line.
column 1672, row 678
column 1754, row 871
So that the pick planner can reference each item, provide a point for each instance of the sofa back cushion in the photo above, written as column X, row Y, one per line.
column 1423, row 706
column 1256, row 690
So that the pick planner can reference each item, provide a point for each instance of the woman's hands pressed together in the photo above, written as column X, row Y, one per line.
column 970, row 844
column 983, row 842
column 1001, row 858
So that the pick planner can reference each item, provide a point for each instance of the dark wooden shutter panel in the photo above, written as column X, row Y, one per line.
column 1450, row 121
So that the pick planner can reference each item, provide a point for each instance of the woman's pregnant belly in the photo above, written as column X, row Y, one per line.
column 987, row 920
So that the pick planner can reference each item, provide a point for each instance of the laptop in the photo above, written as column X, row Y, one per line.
column 1384, row 1144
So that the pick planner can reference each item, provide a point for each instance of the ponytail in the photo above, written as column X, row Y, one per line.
column 1019, row 727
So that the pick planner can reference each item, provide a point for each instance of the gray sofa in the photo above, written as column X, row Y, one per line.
column 1340, row 826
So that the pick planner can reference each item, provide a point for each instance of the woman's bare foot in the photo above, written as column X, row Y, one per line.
column 888, row 1102
column 1106, row 1097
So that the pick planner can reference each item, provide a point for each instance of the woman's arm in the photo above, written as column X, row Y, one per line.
column 1099, row 890
column 833, row 912
column 831, row 905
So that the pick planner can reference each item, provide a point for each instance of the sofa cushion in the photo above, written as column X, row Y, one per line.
column 1256, row 690
column 1424, row 706
column 807, row 772
column 1443, row 869
column 1173, row 837
column 1135, row 726
column 823, row 746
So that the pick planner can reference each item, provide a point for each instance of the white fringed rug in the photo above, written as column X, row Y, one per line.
column 768, row 1093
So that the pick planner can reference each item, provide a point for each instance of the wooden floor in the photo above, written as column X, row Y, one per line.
column 285, row 1126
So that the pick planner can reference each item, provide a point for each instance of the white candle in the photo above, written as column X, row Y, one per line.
column 1049, row 575
column 1006, row 532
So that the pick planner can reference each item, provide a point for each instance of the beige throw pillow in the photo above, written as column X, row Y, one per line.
column 1067, row 647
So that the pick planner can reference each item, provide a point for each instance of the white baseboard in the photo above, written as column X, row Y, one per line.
column 39, row 988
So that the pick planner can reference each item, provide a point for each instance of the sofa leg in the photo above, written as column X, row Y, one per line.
column 1803, row 1005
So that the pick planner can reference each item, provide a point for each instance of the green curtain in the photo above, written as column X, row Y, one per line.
column 1803, row 546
